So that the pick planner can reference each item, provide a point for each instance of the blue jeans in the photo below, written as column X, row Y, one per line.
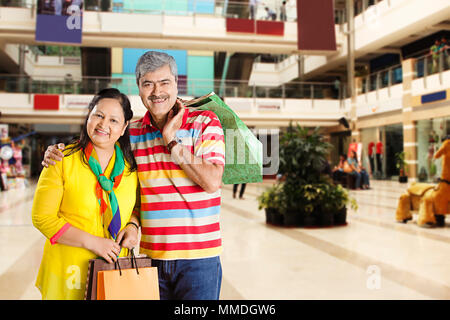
column 365, row 178
column 357, row 176
column 189, row 279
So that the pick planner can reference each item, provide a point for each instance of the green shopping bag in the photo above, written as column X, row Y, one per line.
column 243, row 151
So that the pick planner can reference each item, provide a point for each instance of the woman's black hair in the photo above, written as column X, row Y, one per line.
column 124, row 141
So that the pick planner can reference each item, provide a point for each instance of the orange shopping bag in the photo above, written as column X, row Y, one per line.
column 128, row 284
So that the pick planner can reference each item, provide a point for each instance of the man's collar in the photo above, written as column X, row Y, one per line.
column 147, row 121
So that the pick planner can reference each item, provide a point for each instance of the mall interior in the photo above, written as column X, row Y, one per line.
column 383, row 86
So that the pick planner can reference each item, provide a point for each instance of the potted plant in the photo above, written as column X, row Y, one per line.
column 306, row 197
column 401, row 166
column 335, row 200
column 270, row 200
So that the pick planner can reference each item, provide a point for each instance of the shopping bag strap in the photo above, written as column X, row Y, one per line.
column 133, row 259
column 117, row 266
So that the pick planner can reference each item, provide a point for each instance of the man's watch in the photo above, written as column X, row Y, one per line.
column 175, row 140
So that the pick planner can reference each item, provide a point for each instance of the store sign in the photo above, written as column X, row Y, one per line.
column 77, row 102
column 435, row 96
column 46, row 102
column 269, row 107
column 59, row 21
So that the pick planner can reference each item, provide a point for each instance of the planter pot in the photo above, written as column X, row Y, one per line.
column 310, row 219
column 340, row 216
column 326, row 218
column 293, row 218
column 403, row 179
column 273, row 217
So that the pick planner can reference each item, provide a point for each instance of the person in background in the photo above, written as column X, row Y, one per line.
column 444, row 50
column 84, row 204
column 338, row 170
column 241, row 193
column 271, row 15
column 253, row 8
column 283, row 15
column 371, row 154
column 359, row 172
column 434, row 52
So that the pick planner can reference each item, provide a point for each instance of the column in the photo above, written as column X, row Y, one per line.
column 409, row 126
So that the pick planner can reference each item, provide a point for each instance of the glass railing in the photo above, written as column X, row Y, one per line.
column 223, row 8
column 197, row 87
column 432, row 63
column 382, row 79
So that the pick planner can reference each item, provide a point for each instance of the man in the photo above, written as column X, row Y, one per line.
column 283, row 14
column 271, row 15
column 253, row 7
column 181, row 156
column 434, row 52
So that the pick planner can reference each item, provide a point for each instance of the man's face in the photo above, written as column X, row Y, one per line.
column 158, row 91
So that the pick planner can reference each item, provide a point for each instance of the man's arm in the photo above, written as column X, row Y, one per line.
column 52, row 154
column 206, row 174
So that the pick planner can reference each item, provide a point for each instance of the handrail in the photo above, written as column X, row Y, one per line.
column 15, row 75
column 432, row 63
column 190, row 87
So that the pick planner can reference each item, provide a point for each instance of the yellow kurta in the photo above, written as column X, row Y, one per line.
column 66, row 194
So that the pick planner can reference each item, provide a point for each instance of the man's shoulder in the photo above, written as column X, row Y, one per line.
column 195, row 114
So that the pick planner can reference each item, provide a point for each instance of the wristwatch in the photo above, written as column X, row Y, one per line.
column 175, row 140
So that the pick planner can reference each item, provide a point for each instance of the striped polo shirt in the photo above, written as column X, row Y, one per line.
column 179, row 219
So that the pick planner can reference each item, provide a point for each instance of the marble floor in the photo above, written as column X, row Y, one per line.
column 373, row 257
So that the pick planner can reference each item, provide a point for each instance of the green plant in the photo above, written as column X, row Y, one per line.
column 433, row 169
column 400, row 162
column 302, row 155
column 336, row 197
column 271, row 198
column 304, row 189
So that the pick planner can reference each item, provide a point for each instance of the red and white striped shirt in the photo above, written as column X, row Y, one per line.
column 179, row 219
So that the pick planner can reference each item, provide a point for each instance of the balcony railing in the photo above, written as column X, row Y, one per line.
column 223, row 8
column 192, row 87
column 432, row 63
column 382, row 79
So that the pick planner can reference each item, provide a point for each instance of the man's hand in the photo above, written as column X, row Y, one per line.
column 53, row 152
column 128, row 237
column 174, row 122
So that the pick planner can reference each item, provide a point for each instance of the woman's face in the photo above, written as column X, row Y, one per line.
column 106, row 123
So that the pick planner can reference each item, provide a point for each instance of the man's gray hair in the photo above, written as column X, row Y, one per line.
column 153, row 60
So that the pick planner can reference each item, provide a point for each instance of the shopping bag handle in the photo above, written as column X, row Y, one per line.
column 133, row 258
column 133, row 261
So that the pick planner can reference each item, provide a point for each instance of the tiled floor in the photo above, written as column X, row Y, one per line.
column 373, row 257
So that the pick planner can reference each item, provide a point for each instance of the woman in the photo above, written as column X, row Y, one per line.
column 84, row 204
column 339, row 170
column 359, row 172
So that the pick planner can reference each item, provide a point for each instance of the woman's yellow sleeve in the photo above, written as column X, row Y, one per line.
column 47, row 201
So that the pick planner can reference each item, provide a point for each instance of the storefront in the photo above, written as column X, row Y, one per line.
column 430, row 133
column 379, row 148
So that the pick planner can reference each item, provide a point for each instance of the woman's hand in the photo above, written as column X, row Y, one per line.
column 106, row 248
column 128, row 237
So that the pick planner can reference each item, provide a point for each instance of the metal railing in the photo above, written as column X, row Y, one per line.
column 432, row 63
column 192, row 87
column 382, row 79
column 223, row 8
